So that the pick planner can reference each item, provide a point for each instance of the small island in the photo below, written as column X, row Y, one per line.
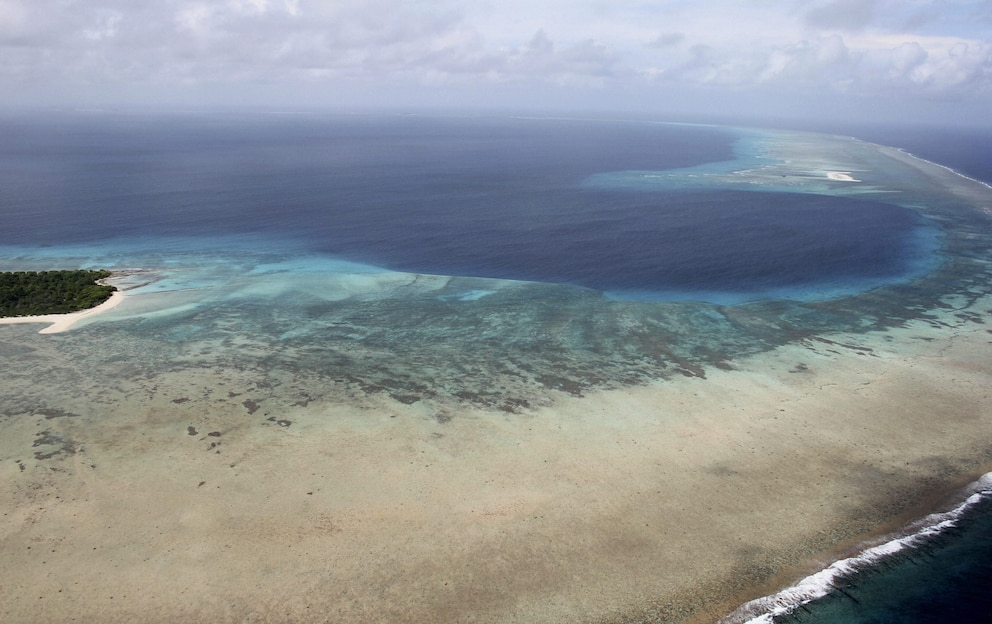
column 30, row 293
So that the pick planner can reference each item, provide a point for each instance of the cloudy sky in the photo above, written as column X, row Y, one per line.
column 904, row 59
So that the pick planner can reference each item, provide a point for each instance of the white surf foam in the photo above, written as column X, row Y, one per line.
column 764, row 610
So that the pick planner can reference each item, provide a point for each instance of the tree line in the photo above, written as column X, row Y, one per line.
column 24, row 293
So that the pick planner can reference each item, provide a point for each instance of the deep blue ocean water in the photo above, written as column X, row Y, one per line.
column 502, row 198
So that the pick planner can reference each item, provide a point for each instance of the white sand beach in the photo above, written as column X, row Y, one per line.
column 841, row 176
column 63, row 322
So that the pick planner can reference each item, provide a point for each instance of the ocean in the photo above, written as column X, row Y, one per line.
column 493, row 198
column 551, row 242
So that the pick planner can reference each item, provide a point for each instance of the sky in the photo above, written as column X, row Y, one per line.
column 901, row 60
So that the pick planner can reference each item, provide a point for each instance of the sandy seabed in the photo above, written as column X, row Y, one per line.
column 191, row 499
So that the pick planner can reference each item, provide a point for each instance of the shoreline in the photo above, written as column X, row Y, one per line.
column 64, row 322
column 927, row 524
column 59, row 323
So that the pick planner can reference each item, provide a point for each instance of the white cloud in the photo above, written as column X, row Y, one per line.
column 865, row 48
column 106, row 26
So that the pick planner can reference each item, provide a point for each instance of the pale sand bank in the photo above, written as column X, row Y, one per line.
column 841, row 176
column 680, row 499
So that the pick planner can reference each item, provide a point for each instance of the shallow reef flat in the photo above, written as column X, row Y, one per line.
column 241, row 488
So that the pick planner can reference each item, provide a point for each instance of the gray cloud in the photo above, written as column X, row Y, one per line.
column 583, row 62
column 829, row 64
column 667, row 40
column 843, row 14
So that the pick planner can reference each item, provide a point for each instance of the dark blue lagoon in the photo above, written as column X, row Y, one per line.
column 516, row 199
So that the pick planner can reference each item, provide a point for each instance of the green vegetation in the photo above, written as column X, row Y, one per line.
column 24, row 293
